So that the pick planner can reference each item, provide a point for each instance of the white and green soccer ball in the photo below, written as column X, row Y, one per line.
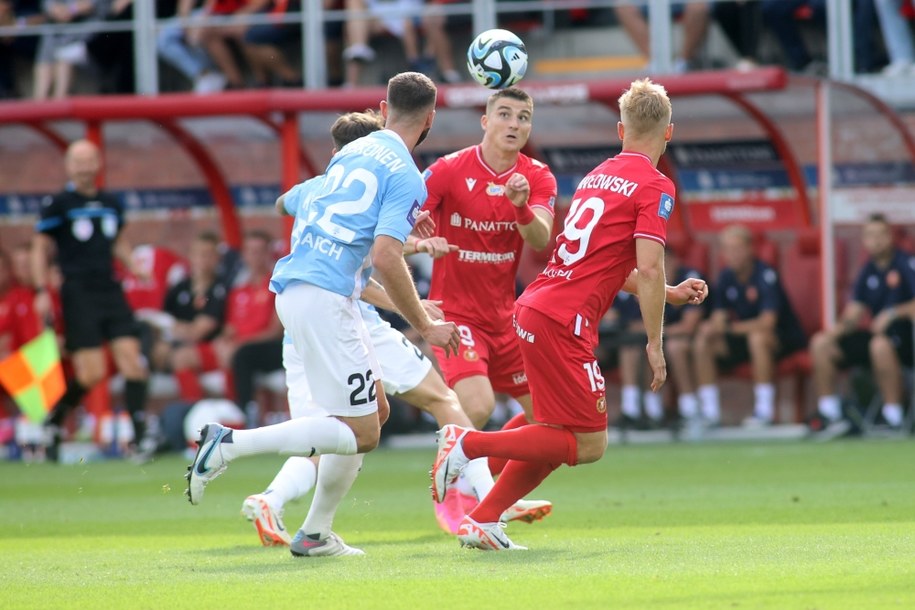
column 497, row 59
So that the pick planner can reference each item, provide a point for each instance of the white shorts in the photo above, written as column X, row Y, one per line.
column 337, row 356
column 403, row 366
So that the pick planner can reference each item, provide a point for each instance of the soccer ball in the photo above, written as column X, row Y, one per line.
column 497, row 59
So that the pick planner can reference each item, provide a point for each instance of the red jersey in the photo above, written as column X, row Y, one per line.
column 468, row 204
column 18, row 322
column 622, row 199
column 250, row 309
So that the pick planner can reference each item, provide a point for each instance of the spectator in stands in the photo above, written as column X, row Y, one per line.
column 250, row 318
column 196, row 304
column 58, row 53
column 897, row 35
column 741, row 22
column 680, row 325
column 18, row 322
column 21, row 260
column 752, row 321
column 438, row 44
column 395, row 18
column 261, row 45
column 175, row 47
column 262, row 57
column 695, row 18
column 16, row 13
column 112, row 52
column 884, row 291
column 781, row 17
column 86, row 225
column 631, row 348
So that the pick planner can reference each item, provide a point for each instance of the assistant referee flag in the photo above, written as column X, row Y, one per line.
column 33, row 376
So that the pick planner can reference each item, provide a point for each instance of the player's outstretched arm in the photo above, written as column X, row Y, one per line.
column 387, row 257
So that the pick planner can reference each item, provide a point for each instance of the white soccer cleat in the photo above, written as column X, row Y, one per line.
column 305, row 545
column 485, row 536
column 527, row 511
column 449, row 461
column 208, row 463
column 268, row 522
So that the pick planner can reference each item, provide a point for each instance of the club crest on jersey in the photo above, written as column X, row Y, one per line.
column 455, row 220
column 471, row 182
column 413, row 214
column 495, row 190
column 665, row 206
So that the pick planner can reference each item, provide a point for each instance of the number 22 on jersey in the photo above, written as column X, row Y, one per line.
column 573, row 232
column 339, row 179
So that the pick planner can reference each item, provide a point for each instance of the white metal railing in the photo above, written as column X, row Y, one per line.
column 484, row 13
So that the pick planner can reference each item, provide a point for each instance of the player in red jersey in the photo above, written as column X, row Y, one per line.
column 613, row 240
column 489, row 200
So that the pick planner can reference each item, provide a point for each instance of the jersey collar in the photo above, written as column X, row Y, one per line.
column 479, row 152
column 396, row 136
column 629, row 153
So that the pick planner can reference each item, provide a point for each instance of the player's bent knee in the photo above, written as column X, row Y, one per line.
column 591, row 447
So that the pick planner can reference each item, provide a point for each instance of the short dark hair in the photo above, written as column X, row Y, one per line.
column 260, row 234
column 209, row 237
column 512, row 93
column 354, row 125
column 411, row 93
column 878, row 217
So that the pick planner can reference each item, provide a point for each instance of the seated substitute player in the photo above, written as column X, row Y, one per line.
column 86, row 225
column 407, row 373
column 613, row 239
column 884, row 290
column 490, row 200
column 752, row 320
column 371, row 195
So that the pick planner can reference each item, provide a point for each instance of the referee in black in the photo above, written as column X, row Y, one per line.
column 85, row 225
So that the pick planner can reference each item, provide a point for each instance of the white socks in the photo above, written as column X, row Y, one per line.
column 688, row 405
column 336, row 475
column 892, row 413
column 654, row 406
column 764, row 407
column 830, row 407
column 305, row 436
column 476, row 479
column 630, row 401
column 710, row 402
column 294, row 480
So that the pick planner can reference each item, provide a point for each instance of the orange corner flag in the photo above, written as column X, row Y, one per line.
column 34, row 377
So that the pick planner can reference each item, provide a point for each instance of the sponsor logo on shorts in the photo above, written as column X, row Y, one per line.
column 519, row 378
column 471, row 355
column 602, row 404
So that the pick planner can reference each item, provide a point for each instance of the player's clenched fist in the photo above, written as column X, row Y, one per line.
column 691, row 291
column 444, row 335
column 518, row 189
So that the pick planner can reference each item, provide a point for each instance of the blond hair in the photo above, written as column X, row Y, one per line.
column 645, row 108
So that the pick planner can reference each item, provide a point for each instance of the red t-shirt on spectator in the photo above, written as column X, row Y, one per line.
column 18, row 322
column 250, row 309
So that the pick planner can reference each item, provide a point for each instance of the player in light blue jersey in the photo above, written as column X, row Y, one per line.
column 407, row 373
column 364, row 213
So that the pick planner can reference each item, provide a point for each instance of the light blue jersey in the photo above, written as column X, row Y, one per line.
column 371, row 188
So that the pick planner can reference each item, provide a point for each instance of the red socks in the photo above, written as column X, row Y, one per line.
column 496, row 465
column 532, row 443
column 517, row 480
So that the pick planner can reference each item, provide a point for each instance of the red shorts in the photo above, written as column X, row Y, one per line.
column 493, row 356
column 567, row 388
column 207, row 355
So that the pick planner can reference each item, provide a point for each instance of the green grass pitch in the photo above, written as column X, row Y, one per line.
column 766, row 525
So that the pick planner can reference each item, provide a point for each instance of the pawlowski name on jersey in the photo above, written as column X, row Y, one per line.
column 468, row 203
column 84, row 230
column 370, row 188
column 623, row 199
